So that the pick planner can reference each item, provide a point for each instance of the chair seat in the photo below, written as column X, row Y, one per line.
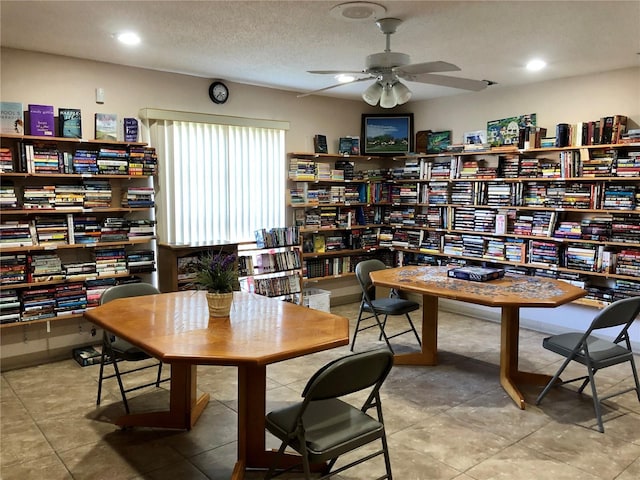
column 392, row 306
column 127, row 351
column 602, row 352
column 332, row 427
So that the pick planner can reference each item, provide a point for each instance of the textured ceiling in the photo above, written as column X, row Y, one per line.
column 274, row 43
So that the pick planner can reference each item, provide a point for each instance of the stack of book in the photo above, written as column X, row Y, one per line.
column 38, row 304
column 97, row 194
column 86, row 229
column 69, row 197
column 39, row 197
column 79, row 270
column 113, row 161
column 110, row 261
column 71, row 299
column 13, row 268
column 15, row 234
column 114, row 229
column 9, row 306
column 138, row 197
column 141, row 261
column 52, row 230
column 6, row 160
column 85, row 161
column 8, row 197
column 44, row 267
column 141, row 229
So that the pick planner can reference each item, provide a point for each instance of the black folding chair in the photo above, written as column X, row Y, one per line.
column 322, row 427
column 596, row 353
column 116, row 350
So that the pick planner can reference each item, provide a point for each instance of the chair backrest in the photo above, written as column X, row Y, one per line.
column 128, row 290
column 363, row 269
column 620, row 312
column 349, row 374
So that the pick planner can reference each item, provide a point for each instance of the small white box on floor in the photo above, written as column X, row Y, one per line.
column 317, row 299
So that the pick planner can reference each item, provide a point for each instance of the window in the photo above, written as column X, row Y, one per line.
column 218, row 181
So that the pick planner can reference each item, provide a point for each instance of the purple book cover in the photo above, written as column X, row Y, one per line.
column 130, row 130
column 41, row 120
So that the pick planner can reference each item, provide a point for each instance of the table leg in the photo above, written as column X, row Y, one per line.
column 429, row 353
column 510, row 375
column 184, row 405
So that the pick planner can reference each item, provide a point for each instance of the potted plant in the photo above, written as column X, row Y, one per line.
column 217, row 273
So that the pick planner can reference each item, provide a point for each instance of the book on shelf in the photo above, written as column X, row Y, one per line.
column 344, row 146
column 130, row 129
column 476, row 274
column 11, row 117
column 41, row 120
column 70, row 122
column 320, row 144
column 106, row 126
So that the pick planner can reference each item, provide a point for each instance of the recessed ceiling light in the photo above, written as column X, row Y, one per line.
column 536, row 64
column 357, row 11
column 128, row 38
column 342, row 78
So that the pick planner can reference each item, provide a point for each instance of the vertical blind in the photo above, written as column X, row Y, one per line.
column 217, row 182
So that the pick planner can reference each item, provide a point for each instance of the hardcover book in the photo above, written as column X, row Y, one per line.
column 41, row 120
column 70, row 121
column 130, row 129
column 106, row 126
column 11, row 117
column 476, row 274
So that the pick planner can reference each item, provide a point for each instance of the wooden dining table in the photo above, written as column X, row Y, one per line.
column 510, row 294
column 176, row 328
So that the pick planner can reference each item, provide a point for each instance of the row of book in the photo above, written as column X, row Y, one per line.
column 40, row 120
column 46, row 158
column 277, row 237
column 90, row 195
column 268, row 262
column 73, row 229
column 336, row 266
column 49, row 267
column 51, row 301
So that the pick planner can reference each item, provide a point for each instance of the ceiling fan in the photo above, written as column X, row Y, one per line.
column 387, row 68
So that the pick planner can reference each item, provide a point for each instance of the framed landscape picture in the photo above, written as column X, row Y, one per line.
column 387, row 134
column 437, row 142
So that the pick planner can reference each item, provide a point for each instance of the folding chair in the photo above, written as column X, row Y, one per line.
column 322, row 427
column 596, row 353
column 392, row 305
column 115, row 350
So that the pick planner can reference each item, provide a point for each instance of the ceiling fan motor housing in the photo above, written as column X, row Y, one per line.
column 383, row 60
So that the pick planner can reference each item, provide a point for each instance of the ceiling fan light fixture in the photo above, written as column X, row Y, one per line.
column 388, row 99
column 401, row 93
column 345, row 78
column 372, row 94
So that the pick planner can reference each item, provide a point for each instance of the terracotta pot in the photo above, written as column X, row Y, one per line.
column 219, row 304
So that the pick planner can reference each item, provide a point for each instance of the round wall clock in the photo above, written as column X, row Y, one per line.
column 218, row 92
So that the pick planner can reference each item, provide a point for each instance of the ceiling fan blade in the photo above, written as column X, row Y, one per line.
column 333, row 86
column 427, row 67
column 336, row 72
column 445, row 81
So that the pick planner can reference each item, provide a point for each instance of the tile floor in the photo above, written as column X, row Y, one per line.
column 452, row 421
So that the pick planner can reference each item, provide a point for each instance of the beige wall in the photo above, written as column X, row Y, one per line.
column 30, row 77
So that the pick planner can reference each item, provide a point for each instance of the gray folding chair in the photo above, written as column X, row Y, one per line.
column 596, row 353
column 392, row 305
column 322, row 427
column 115, row 350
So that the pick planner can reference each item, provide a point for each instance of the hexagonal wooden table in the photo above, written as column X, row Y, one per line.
column 176, row 328
column 509, row 293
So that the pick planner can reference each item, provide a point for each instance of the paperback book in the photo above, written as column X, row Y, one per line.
column 106, row 126
column 70, row 122
column 41, row 120
column 130, row 129
column 11, row 117
column 476, row 274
